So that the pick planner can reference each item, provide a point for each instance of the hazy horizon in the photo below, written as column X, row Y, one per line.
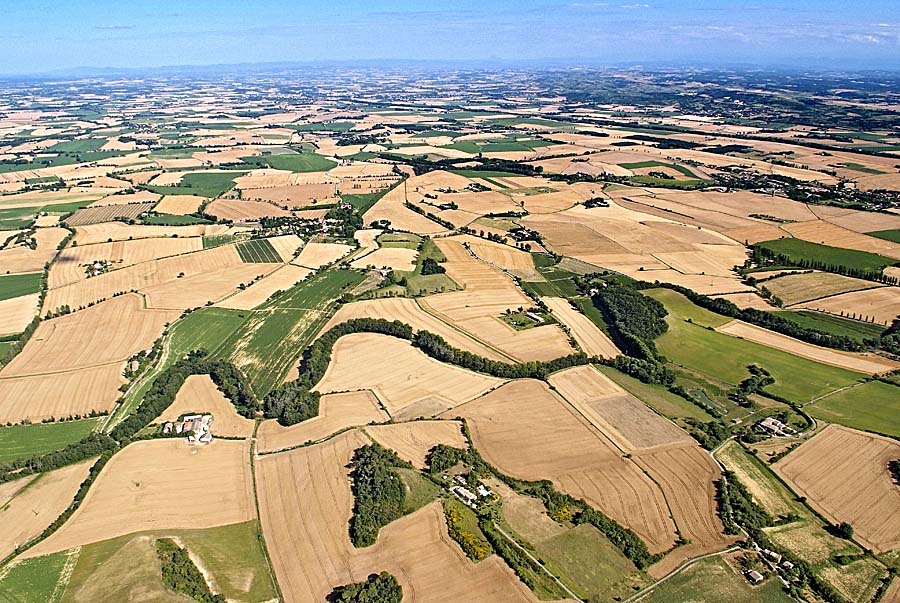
column 44, row 37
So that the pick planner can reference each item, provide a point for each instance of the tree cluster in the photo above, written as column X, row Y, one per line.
column 181, row 575
column 377, row 588
column 634, row 319
column 379, row 495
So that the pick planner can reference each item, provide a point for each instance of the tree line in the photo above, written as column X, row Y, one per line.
column 761, row 251
column 296, row 401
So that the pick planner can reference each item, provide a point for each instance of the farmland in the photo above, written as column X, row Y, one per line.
column 867, row 497
column 16, row 285
column 506, row 335
column 23, row 441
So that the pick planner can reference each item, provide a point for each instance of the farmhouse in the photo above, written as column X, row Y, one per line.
column 754, row 576
column 776, row 427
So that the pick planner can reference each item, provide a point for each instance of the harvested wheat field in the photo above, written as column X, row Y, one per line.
column 60, row 395
column 407, row 382
column 221, row 265
column 880, row 305
column 180, row 205
column 286, row 246
column 310, row 545
column 75, row 263
column 863, row 363
column 843, row 474
column 798, row 288
column 126, row 198
column 510, row 259
column 22, row 258
column 832, row 235
column 628, row 423
column 299, row 195
column 687, row 475
column 336, row 412
column 590, row 338
column 17, row 312
column 239, row 210
column 200, row 395
column 161, row 484
column 408, row 311
column 746, row 300
column 108, row 213
column 316, row 255
column 391, row 207
column 281, row 279
column 487, row 294
column 200, row 289
column 395, row 258
column 119, row 231
column 412, row 441
column 105, row 333
column 528, row 432
column 38, row 501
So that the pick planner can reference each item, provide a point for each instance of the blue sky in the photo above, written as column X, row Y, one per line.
column 44, row 35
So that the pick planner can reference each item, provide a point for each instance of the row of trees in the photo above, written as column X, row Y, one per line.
column 443, row 457
column 296, row 401
column 165, row 387
column 781, row 259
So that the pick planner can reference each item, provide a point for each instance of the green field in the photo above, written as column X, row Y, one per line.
column 589, row 564
column 647, row 164
column 271, row 341
column 294, row 162
column 83, row 145
column 399, row 239
column 768, row 491
column 364, row 201
column 419, row 489
column 216, row 240
column 117, row 570
column 874, row 406
column 833, row 324
column 211, row 184
column 887, row 235
column 176, row 152
column 860, row 168
column 334, row 126
column 203, row 329
column 21, row 441
column 531, row 121
column 691, row 184
column 500, row 145
column 32, row 580
column 712, row 580
column 797, row 250
column 725, row 358
column 174, row 220
column 484, row 174
column 657, row 397
column 59, row 160
column 257, row 251
column 15, row 285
